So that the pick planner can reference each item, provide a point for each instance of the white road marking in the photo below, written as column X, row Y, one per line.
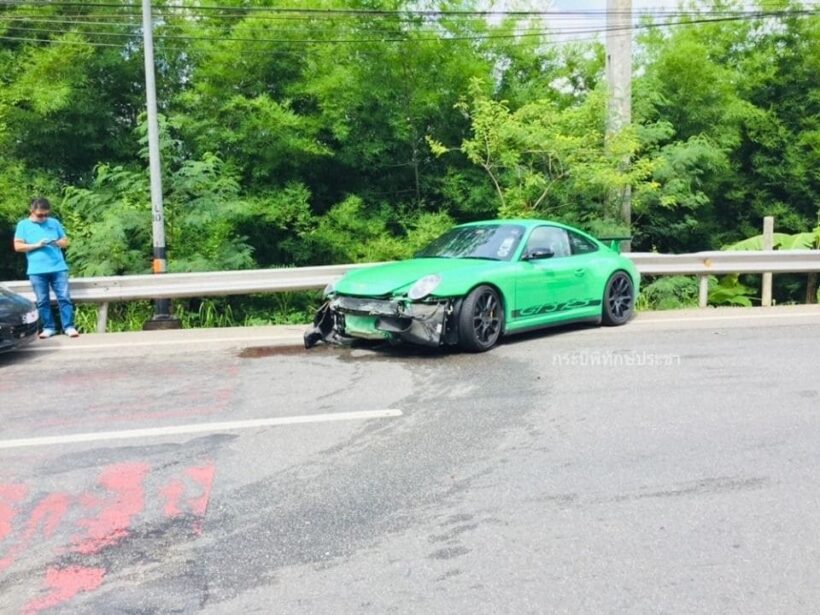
column 645, row 321
column 198, row 428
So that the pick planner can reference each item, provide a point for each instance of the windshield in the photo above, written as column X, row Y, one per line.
column 492, row 241
column 11, row 303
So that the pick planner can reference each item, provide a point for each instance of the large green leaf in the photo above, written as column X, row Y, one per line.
column 781, row 241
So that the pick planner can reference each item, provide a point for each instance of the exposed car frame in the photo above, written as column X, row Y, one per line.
column 418, row 322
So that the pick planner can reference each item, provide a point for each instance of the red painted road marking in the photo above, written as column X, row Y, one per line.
column 64, row 584
column 209, row 394
column 198, row 404
column 111, row 509
column 12, row 491
column 204, row 477
column 48, row 513
column 172, row 492
column 125, row 484
column 12, row 494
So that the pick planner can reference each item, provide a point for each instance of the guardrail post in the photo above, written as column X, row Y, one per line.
column 768, row 244
column 703, row 290
column 102, row 317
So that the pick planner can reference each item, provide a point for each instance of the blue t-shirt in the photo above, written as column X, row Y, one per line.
column 48, row 259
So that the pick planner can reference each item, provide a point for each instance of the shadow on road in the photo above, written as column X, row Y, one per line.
column 17, row 357
column 359, row 350
column 511, row 340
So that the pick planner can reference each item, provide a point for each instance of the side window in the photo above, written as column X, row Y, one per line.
column 551, row 238
column 581, row 245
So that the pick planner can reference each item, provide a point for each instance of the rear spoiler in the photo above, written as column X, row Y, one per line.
column 615, row 241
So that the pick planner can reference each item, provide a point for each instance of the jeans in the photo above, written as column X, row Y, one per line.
column 58, row 281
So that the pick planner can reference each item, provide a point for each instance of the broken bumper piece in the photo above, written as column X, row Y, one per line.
column 342, row 319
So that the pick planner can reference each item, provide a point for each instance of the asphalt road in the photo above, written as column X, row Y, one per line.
column 668, row 466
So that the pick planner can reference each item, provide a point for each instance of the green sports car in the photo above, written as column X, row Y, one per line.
column 480, row 281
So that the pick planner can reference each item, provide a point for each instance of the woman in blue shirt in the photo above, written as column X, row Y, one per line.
column 43, row 240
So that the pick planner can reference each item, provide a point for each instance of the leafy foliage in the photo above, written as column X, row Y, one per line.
column 541, row 157
column 202, row 209
column 781, row 241
column 668, row 293
column 729, row 291
column 674, row 292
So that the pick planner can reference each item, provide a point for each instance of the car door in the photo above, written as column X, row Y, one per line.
column 549, row 284
column 585, row 258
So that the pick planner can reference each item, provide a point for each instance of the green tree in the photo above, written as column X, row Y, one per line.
column 730, row 112
column 109, row 221
column 546, row 160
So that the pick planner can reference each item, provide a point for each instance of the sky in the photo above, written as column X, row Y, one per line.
column 595, row 21
column 581, row 22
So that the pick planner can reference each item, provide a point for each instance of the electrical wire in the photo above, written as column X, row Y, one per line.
column 26, row 39
column 401, row 13
column 417, row 35
column 223, row 13
column 161, row 46
column 526, row 32
column 84, row 18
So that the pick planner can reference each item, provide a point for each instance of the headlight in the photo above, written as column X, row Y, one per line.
column 424, row 287
column 331, row 286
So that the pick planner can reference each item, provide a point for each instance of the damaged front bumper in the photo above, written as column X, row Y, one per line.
column 344, row 318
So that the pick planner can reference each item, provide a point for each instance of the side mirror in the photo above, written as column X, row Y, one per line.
column 538, row 254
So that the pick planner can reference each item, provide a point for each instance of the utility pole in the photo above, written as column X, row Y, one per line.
column 619, row 86
column 162, row 307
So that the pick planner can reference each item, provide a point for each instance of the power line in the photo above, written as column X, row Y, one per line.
column 84, row 18
column 332, row 12
column 309, row 16
column 417, row 35
column 406, row 39
column 58, row 41
column 268, row 52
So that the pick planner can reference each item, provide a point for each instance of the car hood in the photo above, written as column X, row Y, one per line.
column 393, row 278
column 13, row 306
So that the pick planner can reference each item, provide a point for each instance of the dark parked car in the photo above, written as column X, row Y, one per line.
column 18, row 320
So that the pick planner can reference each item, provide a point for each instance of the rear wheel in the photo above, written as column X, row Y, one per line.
column 619, row 300
column 480, row 320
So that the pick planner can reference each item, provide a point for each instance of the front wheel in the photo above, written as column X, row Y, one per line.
column 480, row 320
column 619, row 300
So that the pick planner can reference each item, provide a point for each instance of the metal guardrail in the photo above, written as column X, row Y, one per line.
column 105, row 290
column 205, row 284
column 720, row 262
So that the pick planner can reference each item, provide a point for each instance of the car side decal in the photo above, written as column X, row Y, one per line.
column 551, row 308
